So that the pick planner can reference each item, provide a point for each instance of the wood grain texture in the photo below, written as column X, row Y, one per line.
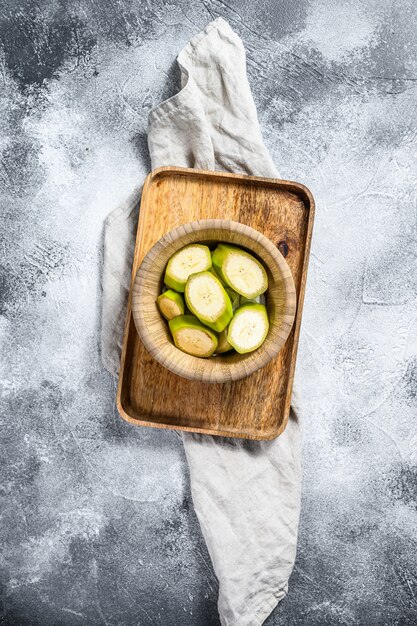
column 256, row 407
column 153, row 329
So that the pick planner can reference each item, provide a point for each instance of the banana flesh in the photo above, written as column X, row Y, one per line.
column 240, row 270
column 192, row 337
column 248, row 328
column 208, row 300
column 189, row 260
column 171, row 304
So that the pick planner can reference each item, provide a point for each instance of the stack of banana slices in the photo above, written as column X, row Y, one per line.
column 213, row 301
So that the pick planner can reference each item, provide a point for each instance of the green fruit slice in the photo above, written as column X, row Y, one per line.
column 223, row 344
column 234, row 298
column 258, row 300
column 240, row 270
column 207, row 299
column 171, row 304
column 248, row 328
column 189, row 260
column 192, row 337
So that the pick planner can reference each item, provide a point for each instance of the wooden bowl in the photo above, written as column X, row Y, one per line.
column 153, row 329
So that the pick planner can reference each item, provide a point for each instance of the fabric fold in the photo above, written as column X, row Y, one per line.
column 212, row 122
column 246, row 494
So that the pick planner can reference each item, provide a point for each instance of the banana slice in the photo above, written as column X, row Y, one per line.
column 189, row 260
column 207, row 299
column 240, row 270
column 192, row 337
column 171, row 304
column 258, row 300
column 248, row 328
column 223, row 344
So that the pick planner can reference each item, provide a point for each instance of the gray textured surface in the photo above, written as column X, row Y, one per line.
column 96, row 522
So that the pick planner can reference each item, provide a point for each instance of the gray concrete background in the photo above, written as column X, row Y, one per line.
column 97, row 526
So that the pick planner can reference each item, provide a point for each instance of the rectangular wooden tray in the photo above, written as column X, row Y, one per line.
column 256, row 407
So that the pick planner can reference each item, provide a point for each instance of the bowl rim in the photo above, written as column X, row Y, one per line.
column 168, row 242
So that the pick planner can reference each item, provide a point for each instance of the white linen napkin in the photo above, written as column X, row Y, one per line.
column 246, row 494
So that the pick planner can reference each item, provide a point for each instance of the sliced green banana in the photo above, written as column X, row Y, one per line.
column 240, row 270
column 189, row 260
column 207, row 299
column 192, row 337
column 258, row 300
column 234, row 298
column 171, row 304
column 223, row 344
column 248, row 328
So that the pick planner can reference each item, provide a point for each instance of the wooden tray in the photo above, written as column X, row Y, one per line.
column 256, row 407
